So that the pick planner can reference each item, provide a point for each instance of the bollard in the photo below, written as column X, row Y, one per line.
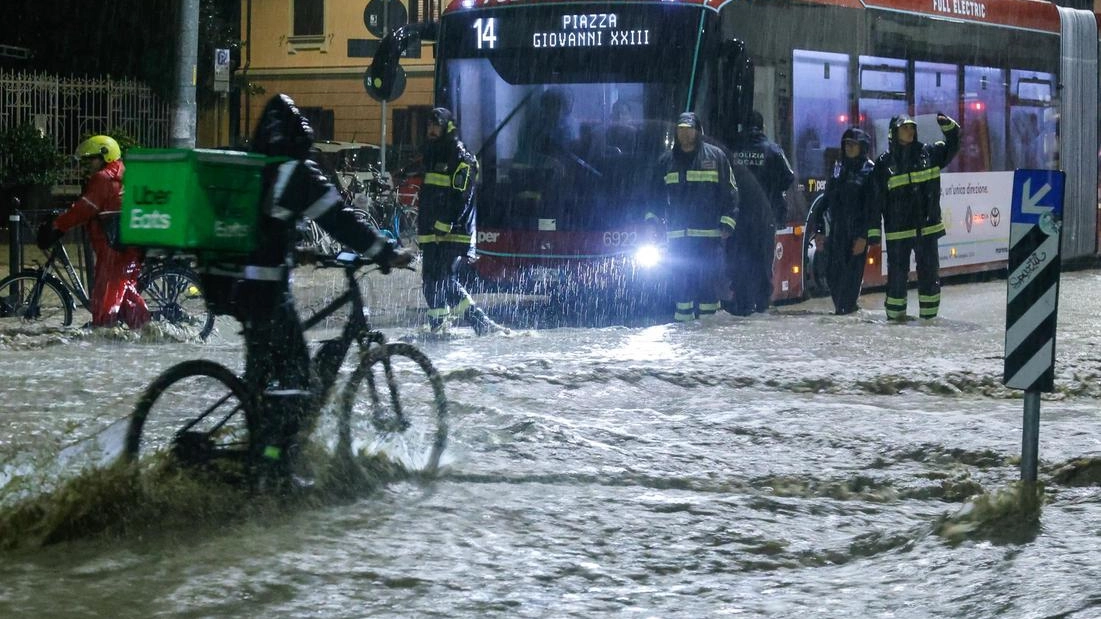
column 15, row 238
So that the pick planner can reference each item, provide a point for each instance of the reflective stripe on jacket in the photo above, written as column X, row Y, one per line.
column 696, row 197
column 907, row 182
column 446, row 209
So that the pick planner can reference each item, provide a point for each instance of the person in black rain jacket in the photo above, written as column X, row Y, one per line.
column 907, row 182
column 697, row 202
column 768, row 163
column 854, row 220
column 255, row 288
column 445, row 226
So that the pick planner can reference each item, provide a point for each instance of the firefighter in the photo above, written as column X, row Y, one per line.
column 445, row 226
column 114, row 295
column 256, row 290
column 907, row 183
column 698, row 203
column 753, row 257
column 853, row 216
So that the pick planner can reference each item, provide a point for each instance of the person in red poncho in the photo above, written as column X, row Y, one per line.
column 114, row 295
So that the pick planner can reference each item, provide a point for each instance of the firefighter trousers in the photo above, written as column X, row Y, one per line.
column 697, row 273
column 925, row 250
column 440, row 280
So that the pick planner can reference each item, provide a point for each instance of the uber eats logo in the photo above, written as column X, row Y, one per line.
column 144, row 219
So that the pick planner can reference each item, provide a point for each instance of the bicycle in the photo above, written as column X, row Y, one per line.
column 394, row 214
column 48, row 294
column 199, row 415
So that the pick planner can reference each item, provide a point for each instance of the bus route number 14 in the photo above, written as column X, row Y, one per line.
column 486, row 28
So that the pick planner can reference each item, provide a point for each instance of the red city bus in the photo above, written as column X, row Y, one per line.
column 568, row 106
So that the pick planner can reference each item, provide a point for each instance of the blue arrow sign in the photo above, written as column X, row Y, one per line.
column 1037, row 193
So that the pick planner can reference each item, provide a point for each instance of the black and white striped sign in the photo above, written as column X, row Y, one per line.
column 1033, row 284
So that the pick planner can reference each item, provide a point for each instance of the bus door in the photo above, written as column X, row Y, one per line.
column 1032, row 120
column 820, row 114
column 884, row 94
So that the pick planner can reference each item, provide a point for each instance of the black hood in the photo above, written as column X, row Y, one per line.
column 283, row 131
column 898, row 121
column 861, row 138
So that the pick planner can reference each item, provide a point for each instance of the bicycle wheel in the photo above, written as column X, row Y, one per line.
column 196, row 415
column 50, row 305
column 402, row 411
column 173, row 294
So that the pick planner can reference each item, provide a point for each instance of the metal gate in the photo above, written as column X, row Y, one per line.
column 67, row 109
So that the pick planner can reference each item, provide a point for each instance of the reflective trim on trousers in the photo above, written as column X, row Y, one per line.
column 896, row 307
column 709, row 308
column 928, row 305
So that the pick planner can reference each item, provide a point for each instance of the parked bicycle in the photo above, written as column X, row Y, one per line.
column 48, row 294
column 393, row 213
column 199, row 415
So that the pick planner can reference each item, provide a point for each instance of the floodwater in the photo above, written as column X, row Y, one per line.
column 794, row 463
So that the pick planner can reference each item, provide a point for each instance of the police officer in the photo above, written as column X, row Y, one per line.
column 255, row 288
column 854, row 220
column 907, row 181
column 768, row 163
column 752, row 253
column 445, row 226
column 698, row 202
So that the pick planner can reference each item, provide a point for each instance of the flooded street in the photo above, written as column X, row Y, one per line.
column 792, row 463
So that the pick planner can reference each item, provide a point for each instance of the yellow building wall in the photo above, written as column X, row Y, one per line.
column 321, row 74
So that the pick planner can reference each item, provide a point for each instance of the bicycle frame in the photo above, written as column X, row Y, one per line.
column 327, row 360
column 69, row 277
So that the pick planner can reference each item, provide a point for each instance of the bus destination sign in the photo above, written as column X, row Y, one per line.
column 577, row 30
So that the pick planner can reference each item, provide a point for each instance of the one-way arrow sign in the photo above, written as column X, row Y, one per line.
column 1030, row 202
column 1029, row 206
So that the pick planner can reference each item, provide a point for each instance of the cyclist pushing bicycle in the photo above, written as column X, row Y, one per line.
column 114, row 296
column 255, row 289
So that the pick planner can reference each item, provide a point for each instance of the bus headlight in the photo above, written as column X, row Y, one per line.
column 648, row 256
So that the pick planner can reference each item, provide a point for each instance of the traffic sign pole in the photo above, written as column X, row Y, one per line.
column 1032, row 299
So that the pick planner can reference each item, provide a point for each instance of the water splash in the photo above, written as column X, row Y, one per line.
column 1007, row 516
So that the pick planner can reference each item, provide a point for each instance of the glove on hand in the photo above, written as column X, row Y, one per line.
column 944, row 121
column 47, row 236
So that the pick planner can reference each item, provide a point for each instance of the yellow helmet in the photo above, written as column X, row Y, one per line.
column 102, row 145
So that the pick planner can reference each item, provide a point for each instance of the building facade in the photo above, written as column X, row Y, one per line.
column 317, row 51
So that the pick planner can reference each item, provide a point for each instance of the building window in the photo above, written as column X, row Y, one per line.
column 322, row 120
column 410, row 125
column 307, row 26
column 309, row 18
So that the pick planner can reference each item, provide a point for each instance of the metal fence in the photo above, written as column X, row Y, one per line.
column 67, row 109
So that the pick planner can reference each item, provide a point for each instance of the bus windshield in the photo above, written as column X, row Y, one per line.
column 567, row 112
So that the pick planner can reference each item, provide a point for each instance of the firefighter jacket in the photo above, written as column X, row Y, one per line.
column 907, row 182
column 850, row 202
column 446, row 209
column 697, row 192
column 766, row 160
